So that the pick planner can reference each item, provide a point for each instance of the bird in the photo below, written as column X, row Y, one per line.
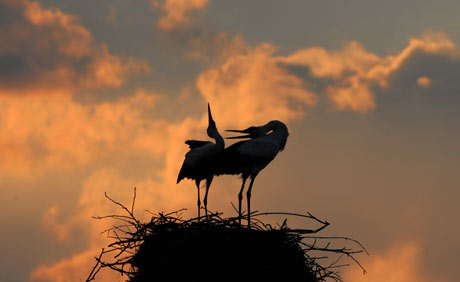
column 199, row 161
column 249, row 157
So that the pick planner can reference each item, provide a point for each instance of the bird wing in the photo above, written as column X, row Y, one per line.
column 197, row 161
column 187, row 171
column 196, row 143
column 245, row 156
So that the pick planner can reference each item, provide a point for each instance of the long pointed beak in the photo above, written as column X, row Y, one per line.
column 239, row 137
column 210, row 115
column 239, row 131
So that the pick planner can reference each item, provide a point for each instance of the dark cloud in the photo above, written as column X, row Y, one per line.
column 46, row 48
column 440, row 69
column 312, row 82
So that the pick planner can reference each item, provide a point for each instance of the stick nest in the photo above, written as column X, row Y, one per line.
column 170, row 248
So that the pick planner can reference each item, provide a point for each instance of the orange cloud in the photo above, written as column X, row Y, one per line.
column 249, row 87
column 352, row 94
column 334, row 64
column 178, row 12
column 51, row 224
column 49, row 49
column 354, row 70
column 429, row 42
column 42, row 132
column 424, row 81
column 399, row 264
column 76, row 268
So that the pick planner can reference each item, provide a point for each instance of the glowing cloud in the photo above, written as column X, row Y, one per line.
column 249, row 87
column 41, row 132
column 424, row 81
column 178, row 12
column 72, row 269
column 399, row 264
column 51, row 224
column 353, row 71
column 429, row 42
column 248, row 84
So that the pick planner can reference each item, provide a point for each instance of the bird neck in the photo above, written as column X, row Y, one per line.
column 279, row 132
column 220, row 143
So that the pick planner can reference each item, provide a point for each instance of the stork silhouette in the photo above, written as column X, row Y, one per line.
column 249, row 157
column 200, row 160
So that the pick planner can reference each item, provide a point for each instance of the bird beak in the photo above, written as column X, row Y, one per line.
column 211, row 121
column 239, row 137
column 239, row 131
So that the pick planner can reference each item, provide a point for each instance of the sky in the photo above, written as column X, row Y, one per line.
column 99, row 96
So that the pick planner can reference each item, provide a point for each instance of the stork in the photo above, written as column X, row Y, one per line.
column 249, row 157
column 199, row 161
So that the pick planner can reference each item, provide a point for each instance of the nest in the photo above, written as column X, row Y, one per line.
column 213, row 248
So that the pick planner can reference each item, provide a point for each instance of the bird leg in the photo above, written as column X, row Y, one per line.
column 248, row 197
column 205, row 200
column 199, row 202
column 240, row 198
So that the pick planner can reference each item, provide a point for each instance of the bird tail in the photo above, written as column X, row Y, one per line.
column 182, row 173
column 179, row 178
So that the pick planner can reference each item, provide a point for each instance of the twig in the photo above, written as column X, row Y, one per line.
column 96, row 267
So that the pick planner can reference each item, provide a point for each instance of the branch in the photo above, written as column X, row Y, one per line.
column 96, row 268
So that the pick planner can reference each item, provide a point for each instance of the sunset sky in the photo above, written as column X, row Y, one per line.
column 99, row 96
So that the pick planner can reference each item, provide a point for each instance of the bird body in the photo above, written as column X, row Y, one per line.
column 200, row 160
column 249, row 157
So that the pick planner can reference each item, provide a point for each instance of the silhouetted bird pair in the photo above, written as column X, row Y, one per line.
column 206, row 159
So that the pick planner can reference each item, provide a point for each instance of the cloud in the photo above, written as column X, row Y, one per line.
column 75, row 268
column 247, row 86
column 323, row 63
column 400, row 263
column 429, row 42
column 52, row 225
column 351, row 73
column 216, row 48
column 43, row 132
column 47, row 48
column 424, row 81
column 178, row 12
column 427, row 73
